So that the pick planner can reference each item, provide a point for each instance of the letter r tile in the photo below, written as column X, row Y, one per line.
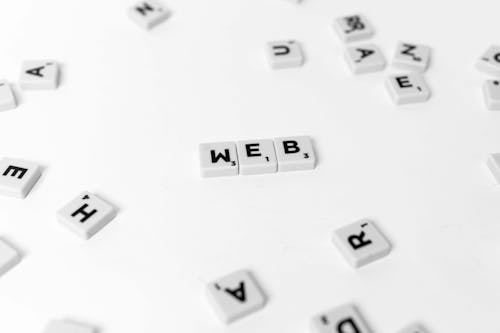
column 86, row 214
column 361, row 243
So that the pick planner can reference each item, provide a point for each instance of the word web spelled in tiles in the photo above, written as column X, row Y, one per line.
column 353, row 28
column 415, row 328
column 39, row 75
column 7, row 98
column 17, row 177
column 253, row 157
column 365, row 58
column 407, row 88
column 284, row 54
column 489, row 63
column 148, row 14
column 412, row 57
column 86, row 214
column 235, row 296
column 343, row 319
column 68, row 326
column 9, row 257
column 361, row 243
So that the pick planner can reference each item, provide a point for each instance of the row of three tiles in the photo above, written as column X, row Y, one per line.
column 252, row 157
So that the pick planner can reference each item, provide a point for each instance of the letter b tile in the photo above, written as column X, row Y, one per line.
column 361, row 243
column 343, row 319
column 86, row 214
column 235, row 296
column 295, row 153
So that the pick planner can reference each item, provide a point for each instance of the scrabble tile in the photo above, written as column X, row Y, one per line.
column 7, row 98
column 235, row 296
column 68, row 326
column 148, row 14
column 353, row 28
column 295, row 153
column 493, row 164
column 86, row 214
column 415, row 328
column 491, row 92
column 412, row 57
column 218, row 159
column 361, row 243
column 343, row 319
column 39, row 75
column 9, row 257
column 257, row 157
column 284, row 54
column 489, row 62
column 17, row 177
column 407, row 88
column 364, row 58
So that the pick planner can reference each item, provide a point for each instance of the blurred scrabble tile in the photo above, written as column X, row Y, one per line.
column 68, row 326
column 284, row 54
column 9, row 257
column 489, row 63
column 7, row 98
column 412, row 57
column 235, row 296
column 415, row 328
column 148, row 14
column 407, row 88
column 257, row 157
column 342, row 319
column 86, row 214
column 295, row 153
column 353, row 28
column 493, row 164
column 17, row 177
column 491, row 92
column 361, row 243
column 364, row 58
column 39, row 75
column 218, row 159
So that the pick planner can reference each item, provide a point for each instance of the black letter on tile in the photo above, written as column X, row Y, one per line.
column 284, row 50
column 36, row 71
column 225, row 157
column 403, row 82
column 238, row 293
column 353, row 328
column 291, row 147
column 358, row 241
column 252, row 150
column 15, row 170
column 145, row 8
column 86, row 215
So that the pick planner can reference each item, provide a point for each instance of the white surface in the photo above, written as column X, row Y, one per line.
column 67, row 326
column 126, row 122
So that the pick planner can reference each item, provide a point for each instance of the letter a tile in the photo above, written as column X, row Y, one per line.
column 86, row 214
column 235, row 296
column 39, row 75
column 342, row 319
column 218, row 159
column 361, row 243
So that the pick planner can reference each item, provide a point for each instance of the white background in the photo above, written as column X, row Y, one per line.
column 134, row 105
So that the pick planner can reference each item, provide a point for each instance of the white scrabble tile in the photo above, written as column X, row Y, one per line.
column 493, row 164
column 361, row 243
column 491, row 93
column 257, row 157
column 148, row 14
column 342, row 319
column 407, row 88
column 17, row 177
column 412, row 57
column 9, row 257
column 86, row 214
column 353, row 28
column 39, row 75
column 415, row 328
column 218, row 159
column 7, row 98
column 235, row 296
column 68, row 326
column 489, row 62
column 284, row 54
column 295, row 153
column 364, row 58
